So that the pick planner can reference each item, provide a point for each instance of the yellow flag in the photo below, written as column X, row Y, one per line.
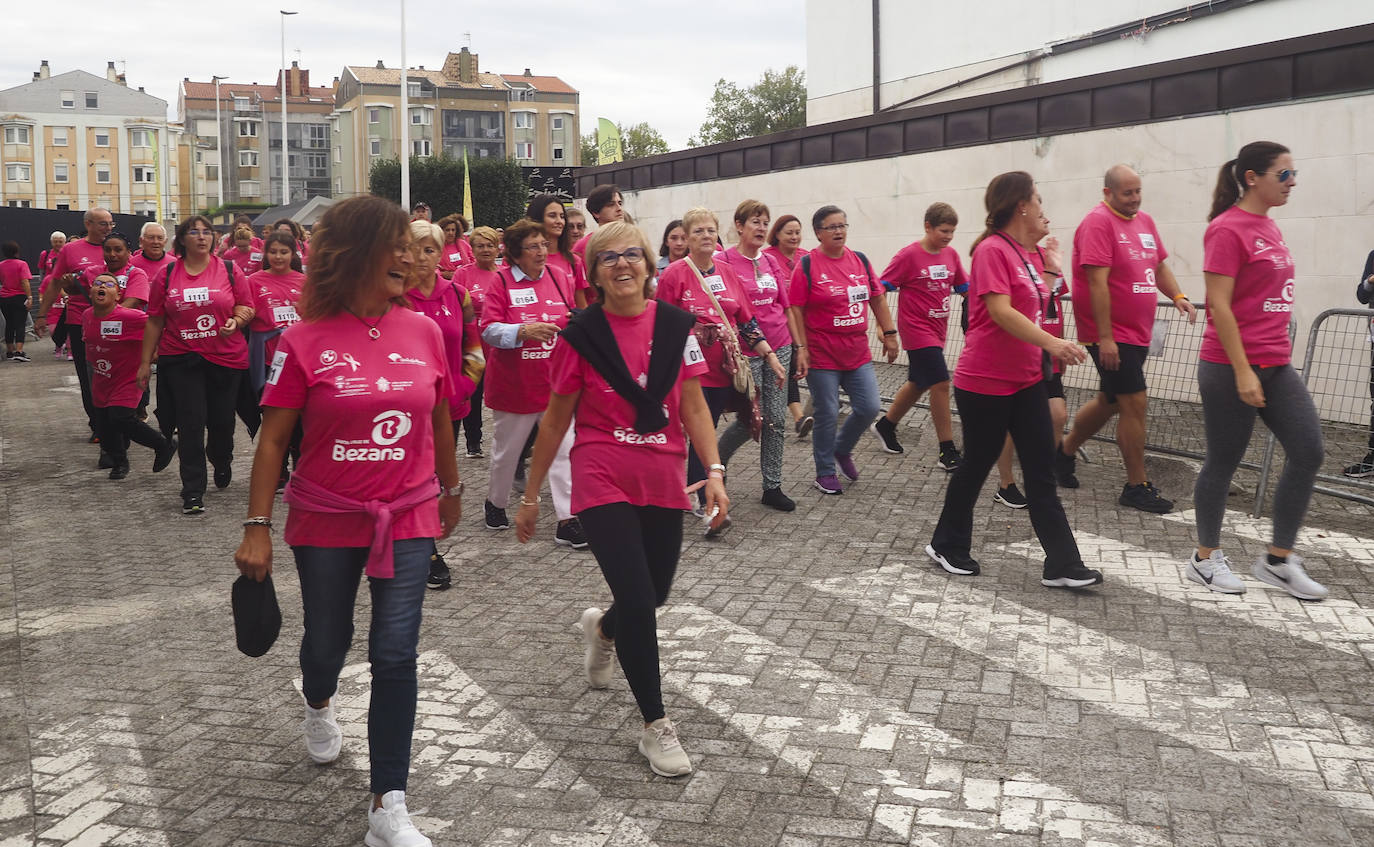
column 467, row 192
column 607, row 142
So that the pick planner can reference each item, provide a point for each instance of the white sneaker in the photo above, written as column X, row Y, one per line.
column 1289, row 576
column 1215, row 573
column 599, row 658
column 390, row 825
column 323, row 738
column 660, row 745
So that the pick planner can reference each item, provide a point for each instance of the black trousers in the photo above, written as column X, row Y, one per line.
column 83, row 372
column 119, row 425
column 472, row 424
column 203, row 398
column 637, row 548
column 16, row 318
column 716, row 398
column 986, row 419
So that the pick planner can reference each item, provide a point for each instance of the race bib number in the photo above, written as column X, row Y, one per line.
column 453, row 257
column 274, row 370
column 523, row 297
column 195, row 295
column 716, row 284
column 255, row 258
column 691, row 354
column 111, row 329
column 1147, row 241
column 767, row 283
column 858, row 293
column 939, row 272
column 284, row 315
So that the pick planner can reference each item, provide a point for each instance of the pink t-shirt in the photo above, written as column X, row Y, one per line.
column 611, row 461
column 993, row 360
column 1132, row 249
column 678, row 285
column 787, row 267
column 765, row 284
column 454, row 256
column 75, row 257
column 580, row 248
column 227, row 243
column 577, row 271
column 195, row 307
column 274, row 303
column 924, row 282
column 114, row 350
column 367, row 411
column 58, row 304
column 151, row 267
column 13, row 274
column 248, row 261
column 477, row 282
column 518, row 379
column 1249, row 248
column 444, row 306
column 133, row 282
column 834, row 304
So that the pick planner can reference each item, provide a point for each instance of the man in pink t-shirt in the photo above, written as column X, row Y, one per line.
column 152, row 256
column 1118, row 275
column 604, row 204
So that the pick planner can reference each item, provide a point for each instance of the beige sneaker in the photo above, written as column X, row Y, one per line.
column 660, row 746
column 599, row 658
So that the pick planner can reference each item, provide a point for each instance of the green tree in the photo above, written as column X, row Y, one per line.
column 589, row 155
column 499, row 190
column 774, row 103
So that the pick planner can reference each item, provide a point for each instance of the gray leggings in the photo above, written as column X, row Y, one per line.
column 1289, row 413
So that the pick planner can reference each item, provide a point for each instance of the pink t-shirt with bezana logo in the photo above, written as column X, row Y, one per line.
column 13, row 274
column 454, row 256
column 1132, row 250
column 76, row 257
column 611, row 461
column 133, row 282
column 1250, row 249
column 247, row 261
column 924, row 282
column 367, row 410
column 517, row 379
column 835, row 304
column 151, row 267
column 679, row 286
column 274, row 304
column 994, row 361
column 114, row 350
column 195, row 307
column 765, row 285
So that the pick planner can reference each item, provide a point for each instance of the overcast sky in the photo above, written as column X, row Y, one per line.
column 647, row 60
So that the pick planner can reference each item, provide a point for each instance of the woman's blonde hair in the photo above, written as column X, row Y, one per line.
column 700, row 213
column 485, row 233
column 422, row 229
column 612, row 232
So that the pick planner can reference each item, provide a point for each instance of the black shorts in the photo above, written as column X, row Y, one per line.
column 926, row 367
column 1055, row 386
column 1129, row 378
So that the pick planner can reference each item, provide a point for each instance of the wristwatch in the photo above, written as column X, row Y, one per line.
column 455, row 491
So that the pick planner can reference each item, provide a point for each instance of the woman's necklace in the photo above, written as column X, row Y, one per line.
column 372, row 331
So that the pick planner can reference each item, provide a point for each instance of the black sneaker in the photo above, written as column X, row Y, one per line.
column 1011, row 497
column 20, row 356
column 1074, row 577
column 223, row 476
column 164, row 456
column 105, row 462
column 1362, row 469
column 886, row 431
column 1064, row 467
column 496, row 518
column 570, row 534
column 959, row 564
column 192, row 506
column 950, row 459
column 804, row 425
column 439, row 576
column 474, row 451
column 775, row 498
column 119, row 471
column 1144, row 497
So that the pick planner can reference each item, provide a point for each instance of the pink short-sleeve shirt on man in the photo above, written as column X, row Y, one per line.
column 1131, row 250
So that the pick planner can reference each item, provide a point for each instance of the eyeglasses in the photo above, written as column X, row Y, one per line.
column 609, row 258
column 836, row 227
column 1285, row 175
column 535, row 248
column 104, row 281
column 196, row 232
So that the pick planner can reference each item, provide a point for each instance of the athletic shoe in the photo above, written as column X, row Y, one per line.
column 845, row 462
column 598, row 659
column 105, row 462
column 775, row 498
column 440, row 578
column 496, row 518
column 223, row 476
column 886, row 431
column 950, row 459
column 163, row 458
column 119, row 472
column 192, row 506
column 570, row 534
column 474, row 452
column 1011, row 497
column 1290, row 576
column 1361, row 469
column 323, row 738
column 804, row 425
column 959, row 564
column 67, row 353
column 714, row 532
column 20, row 356
column 390, row 825
column 661, row 747
column 1072, row 577
column 1064, row 467
column 828, row 484
column 1215, row 573
column 1144, row 497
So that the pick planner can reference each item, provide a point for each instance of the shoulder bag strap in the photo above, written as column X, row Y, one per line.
column 728, row 330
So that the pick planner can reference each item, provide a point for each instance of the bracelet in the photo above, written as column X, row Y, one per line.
column 536, row 502
column 716, row 475
column 888, row 332
column 716, row 467
column 260, row 520
column 1180, row 296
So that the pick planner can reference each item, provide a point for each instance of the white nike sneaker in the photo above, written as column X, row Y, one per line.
column 599, row 656
column 1290, row 576
column 323, row 738
column 390, row 825
column 1215, row 573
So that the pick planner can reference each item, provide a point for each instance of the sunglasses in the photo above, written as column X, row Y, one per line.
column 1285, row 175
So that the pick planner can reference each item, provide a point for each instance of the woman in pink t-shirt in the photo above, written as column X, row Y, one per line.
column 627, row 464
column 377, row 484
column 478, row 278
column 16, row 296
column 1000, row 385
column 784, row 245
column 245, row 255
column 297, row 232
column 547, row 210
column 196, row 312
column 455, row 252
column 1246, row 369
column 276, row 291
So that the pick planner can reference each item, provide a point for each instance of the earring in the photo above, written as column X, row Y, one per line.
column 1023, row 213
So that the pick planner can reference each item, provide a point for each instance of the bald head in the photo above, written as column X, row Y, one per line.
column 1121, row 190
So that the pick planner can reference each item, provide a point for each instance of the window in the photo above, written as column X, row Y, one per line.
column 92, row 100
column 375, row 147
column 316, row 135
column 338, row 154
column 338, row 185
column 248, row 158
column 241, row 104
column 412, row 89
column 102, row 174
column 59, row 136
column 16, row 135
column 102, row 138
column 419, row 117
column 20, row 204
column 374, row 116
column 141, row 138
column 64, row 207
column 420, row 147
column 523, row 120
column 69, row 99
column 316, row 165
column 143, row 173
column 17, row 173
column 522, row 94
column 60, row 172
column 557, row 153
column 248, row 129
column 250, row 188
column 212, row 173
column 524, row 149
column 556, row 122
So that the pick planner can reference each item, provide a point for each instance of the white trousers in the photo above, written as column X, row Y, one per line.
column 509, row 432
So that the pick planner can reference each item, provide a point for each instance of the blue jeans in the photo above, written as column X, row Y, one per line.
column 862, row 387
column 329, row 578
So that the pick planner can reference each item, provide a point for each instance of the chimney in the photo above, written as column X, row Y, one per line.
column 297, row 81
column 35, row 76
column 380, row 66
column 43, row 71
column 110, row 72
column 527, row 72
column 467, row 66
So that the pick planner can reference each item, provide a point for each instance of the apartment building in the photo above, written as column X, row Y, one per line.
column 77, row 140
column 455, row 109
column 244, row 147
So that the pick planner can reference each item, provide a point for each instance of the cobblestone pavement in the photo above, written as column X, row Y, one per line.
column 830, row 684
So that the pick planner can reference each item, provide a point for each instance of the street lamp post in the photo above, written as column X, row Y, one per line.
column 219, row 143
column 405, row 118
column 285, row 174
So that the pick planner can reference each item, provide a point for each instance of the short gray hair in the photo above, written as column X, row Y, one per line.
column 143, row 231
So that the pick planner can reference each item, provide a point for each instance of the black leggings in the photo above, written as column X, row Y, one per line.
column 16, row 318
column 716, row 398
column 793, row 384
column 472, row 424
column 637, row 548
column 203, row 396
column 986, row 420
